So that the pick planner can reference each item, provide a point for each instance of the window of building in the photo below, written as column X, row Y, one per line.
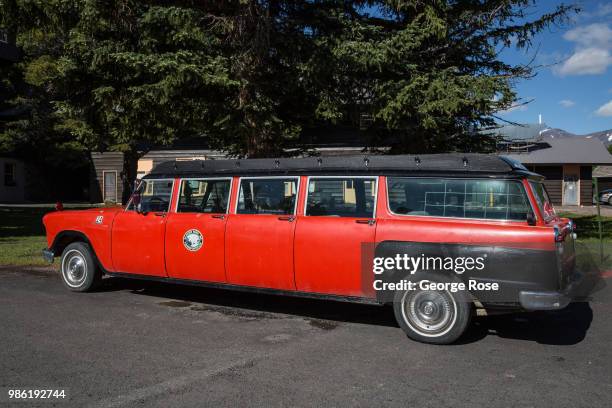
column 341, row 197
column 204, row 196
column 267, row 196
column 110, row 186
column 468, row 198
column 10, row 174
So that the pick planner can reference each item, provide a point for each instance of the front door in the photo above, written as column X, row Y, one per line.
column 195, row 233
column 259, row 237
column 138, row 236
column 570, row 185
column 332, row 235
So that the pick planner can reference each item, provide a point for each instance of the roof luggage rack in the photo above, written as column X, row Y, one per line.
column 450, row 163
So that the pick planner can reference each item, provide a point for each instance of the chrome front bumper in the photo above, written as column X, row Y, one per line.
column 48, row 255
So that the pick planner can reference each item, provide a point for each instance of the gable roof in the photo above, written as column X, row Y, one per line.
column 567, row 150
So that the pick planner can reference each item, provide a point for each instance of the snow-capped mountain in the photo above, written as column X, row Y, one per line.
column 605, row 136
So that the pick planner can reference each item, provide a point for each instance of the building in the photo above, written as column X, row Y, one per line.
column 565, row 160
column 604, row 177
column 106, row 176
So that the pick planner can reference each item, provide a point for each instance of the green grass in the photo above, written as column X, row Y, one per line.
column 588, row 247
column 587, row 226
column 22, row 236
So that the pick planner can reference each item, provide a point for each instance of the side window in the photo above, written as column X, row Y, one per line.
column 152, row 196
column 204, row 196
column 543, row 200
column 267, row 196
column 341, row 197
column 486, row 199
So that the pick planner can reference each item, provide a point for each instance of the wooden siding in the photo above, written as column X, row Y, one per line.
column 553, row 182
column 101, row 162
column 586, row 185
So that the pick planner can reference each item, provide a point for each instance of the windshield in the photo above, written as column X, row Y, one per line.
column 541, row 196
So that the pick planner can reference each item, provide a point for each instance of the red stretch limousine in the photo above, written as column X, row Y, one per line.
column 440, row 237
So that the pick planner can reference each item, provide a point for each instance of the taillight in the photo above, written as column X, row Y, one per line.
column 559, row 234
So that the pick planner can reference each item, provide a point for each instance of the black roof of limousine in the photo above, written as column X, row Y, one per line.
column 450, row 164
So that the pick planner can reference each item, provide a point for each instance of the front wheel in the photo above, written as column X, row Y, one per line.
column 80, row 273
column 433, row 316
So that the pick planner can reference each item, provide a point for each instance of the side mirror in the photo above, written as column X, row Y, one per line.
column 531, row 219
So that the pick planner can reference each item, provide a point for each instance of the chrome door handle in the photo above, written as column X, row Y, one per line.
column 288, row 218
column 219, row 216
column 369, row 222
column 160, row 214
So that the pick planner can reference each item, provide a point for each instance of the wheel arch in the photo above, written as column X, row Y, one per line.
column 67, row 237
column 391, row 248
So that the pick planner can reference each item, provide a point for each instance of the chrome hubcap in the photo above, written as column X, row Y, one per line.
column 74, row 268
column 432, row 313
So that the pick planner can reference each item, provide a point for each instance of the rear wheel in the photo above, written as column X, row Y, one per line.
column 80, row 273
column 610, row 201
column 433, row 316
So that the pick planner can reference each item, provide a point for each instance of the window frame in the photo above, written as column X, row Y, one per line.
column 13, row 166
column 297, row 193
column 178, row 195
column 519, row 181
column 127, row 206
column 104, row 173
column 375, row 178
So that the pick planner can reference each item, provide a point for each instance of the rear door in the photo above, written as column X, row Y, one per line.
column 137, row 243
column 259, row 236
column 337, row 227
column 195, row 232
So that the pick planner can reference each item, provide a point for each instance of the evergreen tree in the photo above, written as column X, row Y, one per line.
column 249, row 76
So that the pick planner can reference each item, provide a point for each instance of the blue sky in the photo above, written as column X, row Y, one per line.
column 573, row 91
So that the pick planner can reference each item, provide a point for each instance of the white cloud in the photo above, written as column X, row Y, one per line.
column 602, row 10
column 605, row 109
column 597, row 35
column 567, row 103
column 589, row 61
column 592, row 53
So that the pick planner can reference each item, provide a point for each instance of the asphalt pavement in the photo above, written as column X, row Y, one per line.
column 160, row 345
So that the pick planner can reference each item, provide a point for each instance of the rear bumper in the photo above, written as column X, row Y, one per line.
column 543, row 300
column 579, row 289
column 48, row 255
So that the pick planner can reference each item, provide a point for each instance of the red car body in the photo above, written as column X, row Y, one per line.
column 310, row 255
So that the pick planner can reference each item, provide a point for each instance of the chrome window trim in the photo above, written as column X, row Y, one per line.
column 459, row 218
column 297, row 192
column 178, row 196
column 375, row 178
column 160, row 179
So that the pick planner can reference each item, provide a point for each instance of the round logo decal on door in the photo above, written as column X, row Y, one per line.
column 193, row 240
